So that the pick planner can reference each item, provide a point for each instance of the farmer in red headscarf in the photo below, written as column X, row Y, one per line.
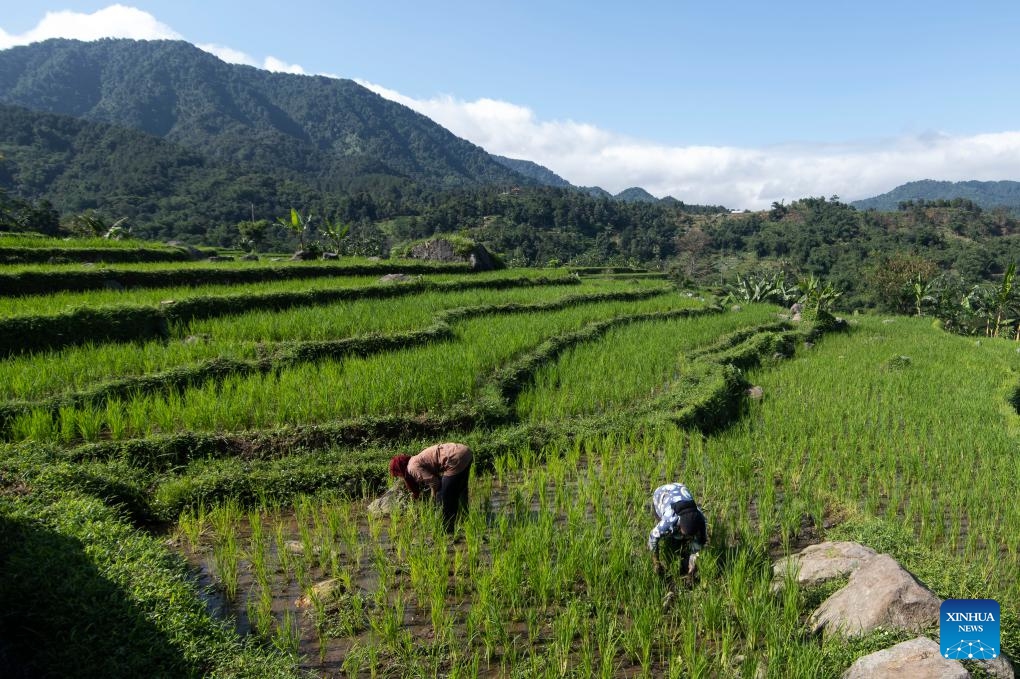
column 443, row 471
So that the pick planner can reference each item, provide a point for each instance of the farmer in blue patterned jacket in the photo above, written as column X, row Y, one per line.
column 681, row 527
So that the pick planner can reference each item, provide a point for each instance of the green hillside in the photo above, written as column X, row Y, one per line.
column 988, row 195
column 326, row 132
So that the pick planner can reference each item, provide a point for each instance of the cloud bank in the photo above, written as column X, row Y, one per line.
column 120, row 21
column 587, row 155
column 718, row 175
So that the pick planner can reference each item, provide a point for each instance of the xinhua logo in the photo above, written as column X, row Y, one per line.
column 969, row 629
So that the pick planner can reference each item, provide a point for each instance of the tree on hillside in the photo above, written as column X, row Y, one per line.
column 253, row 234
column 893, row 280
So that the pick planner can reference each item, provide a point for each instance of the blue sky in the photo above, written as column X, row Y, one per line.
column 739, row 103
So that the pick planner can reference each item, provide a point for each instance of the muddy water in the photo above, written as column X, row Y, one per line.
column 325, row 656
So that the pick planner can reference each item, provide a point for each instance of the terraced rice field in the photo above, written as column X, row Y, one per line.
column 196, row 503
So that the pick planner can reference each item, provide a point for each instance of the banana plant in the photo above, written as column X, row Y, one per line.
column 815, row 295
column 922, row 291
column 1005, row 302
column 298, row 224
column 335, row 232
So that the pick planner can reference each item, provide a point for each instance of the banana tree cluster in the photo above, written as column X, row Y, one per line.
column 992, row 310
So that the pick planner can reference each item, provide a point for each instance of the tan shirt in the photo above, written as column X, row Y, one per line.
column 443, row 459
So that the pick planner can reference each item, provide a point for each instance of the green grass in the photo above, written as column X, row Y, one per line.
column 264, row 261
column 551, row 575
column 66, row 301
column 412, row 380
column 628, row 364
column 240, row 336
column 16, row 240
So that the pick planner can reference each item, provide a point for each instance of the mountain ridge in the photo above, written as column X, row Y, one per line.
column 984, row 194
column 323, row 130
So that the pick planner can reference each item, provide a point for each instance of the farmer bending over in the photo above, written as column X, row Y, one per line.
column 681, row 526
column 443, row 470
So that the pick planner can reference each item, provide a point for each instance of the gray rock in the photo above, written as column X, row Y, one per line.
column 297, row 548
column 880, row 593
column 250, row 257
column 823, row 562
column 220, row 258
column 756, row 393
column 442, row 250
column 915, row 659
column 736, row 307
column 321, row 592
column 330, row 255
column 396, row 278
column 303, row 256
column 192, row 251
column 396, row 496
column 1000, row 668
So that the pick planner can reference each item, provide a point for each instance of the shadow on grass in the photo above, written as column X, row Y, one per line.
column 59, row 617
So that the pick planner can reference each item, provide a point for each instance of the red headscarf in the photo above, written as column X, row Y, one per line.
column 398, row 465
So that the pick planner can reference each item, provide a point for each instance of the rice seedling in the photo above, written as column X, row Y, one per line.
column 192, row 526
column 600, row 376
column 404, row 381
column 287, row 637
column 226, row 549
column 552, row 576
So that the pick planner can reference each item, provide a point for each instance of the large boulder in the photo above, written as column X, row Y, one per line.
column 385, row 504
column 915, row 659
column 880, row 593
column 823, row 562
column 1000, row 668
column 443, row 250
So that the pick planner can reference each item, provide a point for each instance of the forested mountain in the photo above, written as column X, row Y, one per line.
column 984, row 194
column 165, row 190
column 636, row 194
column 331, row 134
column 542, row 175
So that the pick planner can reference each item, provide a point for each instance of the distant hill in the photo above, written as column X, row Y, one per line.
column 164, row 189
column 636, row 195
column 331, row 133
column 542, row 175
column 984, row 194
column 595, row 191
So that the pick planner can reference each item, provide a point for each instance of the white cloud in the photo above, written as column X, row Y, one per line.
column 274, row 64
column 119, row 21
column 228, row 54
column 115, row 21
column 736, row 177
